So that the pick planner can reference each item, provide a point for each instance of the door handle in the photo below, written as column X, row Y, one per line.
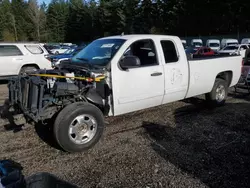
column 17, row 59
column 156, row 74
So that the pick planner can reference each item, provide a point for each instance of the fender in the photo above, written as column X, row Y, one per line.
column 94, row 97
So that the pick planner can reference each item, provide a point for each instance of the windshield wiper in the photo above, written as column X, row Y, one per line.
column 83, row 59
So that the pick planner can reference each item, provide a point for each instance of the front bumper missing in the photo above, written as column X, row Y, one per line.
column 26, row 94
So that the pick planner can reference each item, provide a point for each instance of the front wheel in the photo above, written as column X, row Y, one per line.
column 78, row 127
column 218, row 95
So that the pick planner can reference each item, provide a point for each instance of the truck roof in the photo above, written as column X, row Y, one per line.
column 139, row 36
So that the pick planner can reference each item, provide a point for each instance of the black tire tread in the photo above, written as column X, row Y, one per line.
column 210, row 97
column 70, row 109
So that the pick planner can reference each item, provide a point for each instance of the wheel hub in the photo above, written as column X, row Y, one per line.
column 220, row 93
column 82, row 129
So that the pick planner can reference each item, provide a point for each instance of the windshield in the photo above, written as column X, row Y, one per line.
column 214, row 45
column 197, row 44
column 231, row 48
column 234, row 43
column 99, row 52
column 69, row 51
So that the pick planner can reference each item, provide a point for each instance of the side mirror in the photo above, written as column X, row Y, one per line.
column 129, row 62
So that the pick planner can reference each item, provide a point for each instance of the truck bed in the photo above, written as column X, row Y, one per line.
column 201, row 82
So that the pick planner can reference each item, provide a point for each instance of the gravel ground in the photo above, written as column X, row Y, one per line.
column 182, row 144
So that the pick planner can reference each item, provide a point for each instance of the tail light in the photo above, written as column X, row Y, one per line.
column 48, row 57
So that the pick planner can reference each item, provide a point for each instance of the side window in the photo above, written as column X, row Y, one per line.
column 144, row 50
column 9, row 50
column 34, row 49
column 169, row 51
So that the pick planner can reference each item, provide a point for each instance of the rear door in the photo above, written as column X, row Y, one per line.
column 141, row 87
column 175, row 71
column 11, row 58
column 37, row 55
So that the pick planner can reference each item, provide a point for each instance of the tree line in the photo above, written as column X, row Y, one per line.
column 82, row 20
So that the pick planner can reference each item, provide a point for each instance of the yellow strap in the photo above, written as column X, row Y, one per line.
column 98, row 79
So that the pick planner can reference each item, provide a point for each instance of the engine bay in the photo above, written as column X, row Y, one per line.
column 42, row 93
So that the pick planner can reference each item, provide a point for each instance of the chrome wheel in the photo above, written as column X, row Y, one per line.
column 82, row 129
column 220, row 93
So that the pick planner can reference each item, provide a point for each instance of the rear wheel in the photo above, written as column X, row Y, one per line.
column 78, row 127
column 218, row 95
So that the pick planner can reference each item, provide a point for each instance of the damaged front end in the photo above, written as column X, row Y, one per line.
column 40, row 95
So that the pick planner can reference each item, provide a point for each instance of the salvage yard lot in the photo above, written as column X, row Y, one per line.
column 182, row 144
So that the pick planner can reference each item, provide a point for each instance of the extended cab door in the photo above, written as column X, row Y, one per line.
column 176, row 70
column 141, row 87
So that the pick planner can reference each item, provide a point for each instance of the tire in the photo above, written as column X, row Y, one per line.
column 25, row 70
column 66, row 124
column 218, row 95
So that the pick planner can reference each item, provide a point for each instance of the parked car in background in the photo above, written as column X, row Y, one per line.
column 245, row 71
column 184, row 43
column 199, row 52
column 50, row 47
column 214, row 44
column 56, row 59
column 197, row 43
column 16, row 58
column 227, row 42
column 234, row 49
column 245, row 41
column 60, row 50
column 204, row 51
column 190, row 51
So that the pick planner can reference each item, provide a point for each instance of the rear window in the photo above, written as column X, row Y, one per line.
column 169, row 51
column 9, row 50
column 34, row 49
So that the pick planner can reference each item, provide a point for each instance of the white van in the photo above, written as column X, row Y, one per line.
column 196, row 43
column 226, row 42
column 214, row 44
column 245, row 41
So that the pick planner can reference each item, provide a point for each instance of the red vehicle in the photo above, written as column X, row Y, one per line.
column 204, row 51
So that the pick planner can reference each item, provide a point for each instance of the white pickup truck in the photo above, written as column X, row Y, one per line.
column 114, row 76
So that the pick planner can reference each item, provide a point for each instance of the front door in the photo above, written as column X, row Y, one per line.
column 141, row 87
